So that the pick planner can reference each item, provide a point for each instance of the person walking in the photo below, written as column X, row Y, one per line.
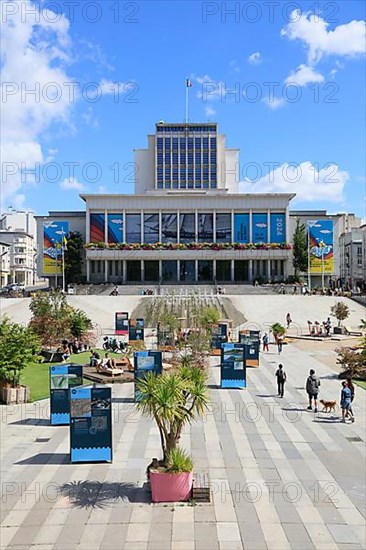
column 281, row 379
column 288, row 320
column 279, row 343
column 352, row 388
column 312, row 389
column 265, row 342
column 346, row 402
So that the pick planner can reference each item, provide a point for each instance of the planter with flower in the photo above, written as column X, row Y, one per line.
column 173, row 399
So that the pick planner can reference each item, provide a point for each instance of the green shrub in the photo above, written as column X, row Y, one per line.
column 179, row 461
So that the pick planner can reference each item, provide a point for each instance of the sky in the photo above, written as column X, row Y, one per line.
column 83, row 83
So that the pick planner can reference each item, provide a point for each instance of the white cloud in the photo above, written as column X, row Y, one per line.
column 255, row 58
column 234, row 67
column 274, row 102
column 72, row 184
column 308, row 182
column 304, row 75
column 345, row 40
column 33, row 58
column 209, row 111
column 210, row 89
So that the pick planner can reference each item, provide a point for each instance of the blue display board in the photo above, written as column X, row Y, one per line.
column 62, row 378
column 136, row 329
column 144, row 362
column 233, row 369
column 259, row 228
column 241, row 228
column 91, row 424
column 278, row 228
column 219, row 335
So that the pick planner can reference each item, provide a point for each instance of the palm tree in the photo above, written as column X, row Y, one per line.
column 173, row 400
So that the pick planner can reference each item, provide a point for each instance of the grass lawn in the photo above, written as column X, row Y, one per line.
column 36, row 375
column 360, row 383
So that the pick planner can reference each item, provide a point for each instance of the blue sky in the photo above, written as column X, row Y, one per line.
column 297, row 114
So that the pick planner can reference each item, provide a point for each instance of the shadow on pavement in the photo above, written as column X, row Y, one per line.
column 123, row 400
column 94, row 494
column 46, row 458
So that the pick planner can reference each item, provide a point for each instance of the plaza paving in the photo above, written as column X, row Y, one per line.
column 282, row 477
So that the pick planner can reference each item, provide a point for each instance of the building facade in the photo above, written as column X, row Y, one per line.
column 352, row 268
column 4, row 263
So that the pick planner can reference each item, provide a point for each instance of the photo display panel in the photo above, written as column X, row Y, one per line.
column 62, row 378
column 91, row 424
column 219, row 335
column 144, row 362
column 251, row 347
column 121, row 323
column 136, row 329
column 233, row 370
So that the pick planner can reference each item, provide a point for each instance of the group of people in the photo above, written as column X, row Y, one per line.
column 107, row 363
column 312, row 390
column 318, row 329
column 69, row 348
column 279, row 342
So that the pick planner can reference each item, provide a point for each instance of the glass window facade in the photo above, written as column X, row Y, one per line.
column 133, row 228
column 223, row 270
column 187, row 270
column 205, row 228
column 151, row 228
column 205, row 270
column 169, row 270
column 133, row 271
column 223, row 228
column 186, row 145
column 151, row 271
column 169, row 228
column 187, row 228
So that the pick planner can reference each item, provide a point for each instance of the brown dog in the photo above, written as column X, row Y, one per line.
column 328, row 406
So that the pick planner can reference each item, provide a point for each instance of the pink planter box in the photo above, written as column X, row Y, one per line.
column 171, row 487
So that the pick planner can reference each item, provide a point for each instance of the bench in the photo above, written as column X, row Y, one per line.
column 109, row 372
column 351, row 332
column 52, row 356
column 201, row 491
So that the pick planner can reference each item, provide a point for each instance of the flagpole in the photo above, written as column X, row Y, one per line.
column 187, row 107
column 63, row 267
column 309, row 275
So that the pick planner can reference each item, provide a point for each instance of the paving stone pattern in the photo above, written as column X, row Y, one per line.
column 282, row 477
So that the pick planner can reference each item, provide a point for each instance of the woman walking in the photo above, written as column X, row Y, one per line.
column 346, row 402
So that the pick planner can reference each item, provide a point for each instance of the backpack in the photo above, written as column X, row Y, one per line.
column 281, row 374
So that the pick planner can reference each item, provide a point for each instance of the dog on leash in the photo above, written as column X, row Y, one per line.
column 328, row 406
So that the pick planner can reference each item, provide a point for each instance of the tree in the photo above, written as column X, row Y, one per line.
column 173, row 400
column 73, row 258
column 340, row 311
column 300, row 249
column 54, row 319
column 353, row 363
column 18, row 346
column 208, row 316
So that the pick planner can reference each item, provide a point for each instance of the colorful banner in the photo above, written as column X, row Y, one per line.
column 278, row 228
column 97, row 228
column 115, row 228
column 54, row 233
column 259, row 228
column 321, row 250
column 241, row 228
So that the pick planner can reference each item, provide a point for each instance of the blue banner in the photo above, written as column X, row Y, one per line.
column 278, row 228
column 259, row 228
column 115, row 228
column 241, row 228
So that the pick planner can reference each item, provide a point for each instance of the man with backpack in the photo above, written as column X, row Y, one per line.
column 281, row 379
column 312, row 389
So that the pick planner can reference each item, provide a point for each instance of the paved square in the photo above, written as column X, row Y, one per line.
column 282, row 477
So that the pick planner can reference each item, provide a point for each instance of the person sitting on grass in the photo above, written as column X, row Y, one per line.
column 95, row 359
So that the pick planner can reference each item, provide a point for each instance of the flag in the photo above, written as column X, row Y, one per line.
column 188, row 83
column 64, row 243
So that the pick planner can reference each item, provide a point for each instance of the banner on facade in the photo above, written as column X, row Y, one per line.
column 115, row 228
column 241, row 228
column 321, row 250
column 278, row 228
column 259, row 228
column 54, row 235
column 97, row 228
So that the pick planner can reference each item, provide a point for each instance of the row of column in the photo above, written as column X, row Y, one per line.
column 265, row 269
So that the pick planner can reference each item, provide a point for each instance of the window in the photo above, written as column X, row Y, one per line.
column 160, row 143
column 151, row 271
column 169, row 226
column 133, row 271
column 205, row 228
column 169, row 270
column 223, row 270
column 151, row 228
column 187, row 270
column 133, row 228
column 223, row 228
column 187, row 227
column 205, row 270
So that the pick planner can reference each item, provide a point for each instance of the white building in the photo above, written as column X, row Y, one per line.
column 4, row 264
column 352, row 268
